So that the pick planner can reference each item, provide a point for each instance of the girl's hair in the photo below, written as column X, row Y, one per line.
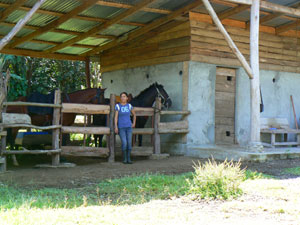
column 125, row 93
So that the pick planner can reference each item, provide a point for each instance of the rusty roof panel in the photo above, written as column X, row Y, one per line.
column 78, row 25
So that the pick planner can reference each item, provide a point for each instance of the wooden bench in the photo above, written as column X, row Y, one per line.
column 275, row 126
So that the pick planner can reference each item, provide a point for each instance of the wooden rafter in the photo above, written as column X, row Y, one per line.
column 54, row 24
column 127, row 6
column 39, row 54
column 233, row 11
column 145, row 29
column 286, row 27
column 10, row 9
column 272, row 16
column 60, row 31
column 103, row 26
column 54, row 43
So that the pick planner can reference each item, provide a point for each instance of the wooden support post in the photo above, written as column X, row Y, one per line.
column 185, row 94
column 273, row 140
column 254, row 83
column 112, row 129
column 156, row 122
column 87, row 72
column 4, row 41
column 227, row 37
column 55, row 132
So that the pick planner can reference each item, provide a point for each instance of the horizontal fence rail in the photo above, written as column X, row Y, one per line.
column 32, row 104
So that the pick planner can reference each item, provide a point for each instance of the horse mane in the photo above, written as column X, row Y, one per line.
column 143, row 92
column 81, row 90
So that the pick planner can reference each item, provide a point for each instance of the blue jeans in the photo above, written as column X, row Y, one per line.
column 126, row 138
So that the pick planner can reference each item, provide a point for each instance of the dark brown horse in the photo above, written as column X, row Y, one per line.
column 90, row 95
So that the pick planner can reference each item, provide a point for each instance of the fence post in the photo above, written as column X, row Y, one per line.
column 55, row 132
column 156, row 122
column 112, row 129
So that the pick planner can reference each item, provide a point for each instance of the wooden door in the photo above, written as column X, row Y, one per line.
column 225, row 106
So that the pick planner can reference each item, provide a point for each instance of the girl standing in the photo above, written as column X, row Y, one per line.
column 123, row 125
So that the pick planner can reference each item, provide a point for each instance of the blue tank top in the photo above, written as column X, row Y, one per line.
column 124, row 115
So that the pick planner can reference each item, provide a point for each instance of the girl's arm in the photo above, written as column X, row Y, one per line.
column 116, row 121
column 134, row 117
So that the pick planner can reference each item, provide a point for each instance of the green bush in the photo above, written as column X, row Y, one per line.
column 216, row 180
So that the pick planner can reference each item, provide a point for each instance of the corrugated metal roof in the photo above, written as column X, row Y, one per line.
column 93, row 41
column 78, row 25
column 143, row 17
column 118, row 29
column 106, row 12
column 101, row 11
column 34, row 46
column 53, row 36
column 73, row 50
column 5, row 30
column 56, row 5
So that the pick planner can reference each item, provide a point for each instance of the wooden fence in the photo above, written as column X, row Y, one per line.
column 109, row 152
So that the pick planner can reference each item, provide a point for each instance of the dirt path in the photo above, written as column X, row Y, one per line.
column 90, row 171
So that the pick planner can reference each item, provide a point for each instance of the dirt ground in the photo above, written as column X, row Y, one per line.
column 92, row 170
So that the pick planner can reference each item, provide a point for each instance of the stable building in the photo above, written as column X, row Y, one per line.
column 219, row 59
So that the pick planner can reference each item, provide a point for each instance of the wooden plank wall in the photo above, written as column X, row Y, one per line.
column 172, row 45
column 225, row 106
column 208, row 45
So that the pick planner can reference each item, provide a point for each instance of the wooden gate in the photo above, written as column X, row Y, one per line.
column 225, row 106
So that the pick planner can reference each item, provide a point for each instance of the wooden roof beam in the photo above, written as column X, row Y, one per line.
column 233, row 11
column 276, row 15
column 143, row 30
column 127, row 6
column 103, row 26
column 10, row 9
column 61, row 31
column 38, row 54
column 54, row 24
column 287, row 27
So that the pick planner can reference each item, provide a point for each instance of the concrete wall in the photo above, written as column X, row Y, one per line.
column 202, row 78
column 276, row 90
column 135, row 80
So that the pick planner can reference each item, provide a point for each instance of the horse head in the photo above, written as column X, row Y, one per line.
column 161, row 92
column 99, row 97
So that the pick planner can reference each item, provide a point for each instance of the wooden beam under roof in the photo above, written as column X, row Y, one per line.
column 276, row 14
column 103, row 26
column 75, row 33
column 287, row 27
column 38, row 54
column 144, row 30
column 54, row 24
column 232, row 11
column 127, row 6
column 4, row 14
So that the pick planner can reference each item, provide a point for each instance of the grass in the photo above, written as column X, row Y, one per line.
column 123, row 191
column 294, row 171
column 114, row 201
